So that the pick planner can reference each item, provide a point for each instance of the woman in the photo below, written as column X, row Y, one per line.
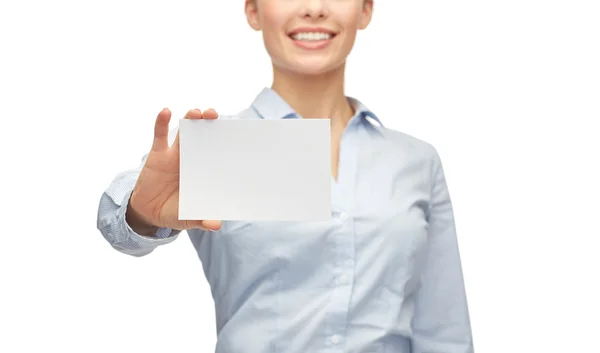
column 384, row 275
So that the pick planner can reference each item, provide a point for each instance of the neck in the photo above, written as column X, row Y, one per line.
column 315, row 96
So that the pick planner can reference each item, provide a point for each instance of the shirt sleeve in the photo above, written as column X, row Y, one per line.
column 111, row 221
column 441, row 323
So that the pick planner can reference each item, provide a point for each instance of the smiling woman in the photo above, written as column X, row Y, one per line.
column 382, row 275
column 315, row 43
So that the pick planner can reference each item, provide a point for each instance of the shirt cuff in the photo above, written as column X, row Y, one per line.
column 162, row 236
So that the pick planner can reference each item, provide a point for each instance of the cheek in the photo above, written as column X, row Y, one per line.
column 350, row 31
column 273, row 17
column 348, row 16
column 272, row 27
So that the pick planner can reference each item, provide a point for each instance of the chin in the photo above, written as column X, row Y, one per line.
column 311, row 68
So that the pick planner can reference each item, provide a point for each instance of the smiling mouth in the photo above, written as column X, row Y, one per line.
column 312, row 36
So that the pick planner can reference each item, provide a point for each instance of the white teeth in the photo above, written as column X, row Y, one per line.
column 311, row 36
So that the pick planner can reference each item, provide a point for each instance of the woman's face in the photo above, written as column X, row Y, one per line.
column 309, row 37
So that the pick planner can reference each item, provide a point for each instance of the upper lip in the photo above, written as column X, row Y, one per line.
column 312, row 30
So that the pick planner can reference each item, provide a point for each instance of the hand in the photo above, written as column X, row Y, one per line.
column 154, row 202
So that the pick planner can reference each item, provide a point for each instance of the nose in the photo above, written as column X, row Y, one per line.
column 315, row 9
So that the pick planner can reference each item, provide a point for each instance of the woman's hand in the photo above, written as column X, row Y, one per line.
column 154, row 202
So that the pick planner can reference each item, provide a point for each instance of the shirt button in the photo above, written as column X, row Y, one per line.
column 343, row 216
column 335, row 339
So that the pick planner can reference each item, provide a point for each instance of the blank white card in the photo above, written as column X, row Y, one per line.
column 255, row 169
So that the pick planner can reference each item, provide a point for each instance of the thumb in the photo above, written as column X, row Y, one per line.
column 161, row 130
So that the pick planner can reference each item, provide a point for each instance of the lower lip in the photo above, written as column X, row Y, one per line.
column 312, row 44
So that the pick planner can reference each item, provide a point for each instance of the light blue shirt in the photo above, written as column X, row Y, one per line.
column 383, row 275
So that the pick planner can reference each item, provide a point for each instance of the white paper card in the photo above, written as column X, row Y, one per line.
column 255, row 169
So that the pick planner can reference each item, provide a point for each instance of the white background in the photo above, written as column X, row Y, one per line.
column 508, row 91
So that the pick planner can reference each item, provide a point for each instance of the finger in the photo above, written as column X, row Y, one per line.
column 211, row 225
column 204, row 225
column 191, row 114
column 210, row 114
column 161, row 130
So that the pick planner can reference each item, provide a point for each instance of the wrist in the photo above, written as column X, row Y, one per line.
column 137, row 221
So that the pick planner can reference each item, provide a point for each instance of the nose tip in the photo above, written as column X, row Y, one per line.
column 315, row 9
column 320, row 15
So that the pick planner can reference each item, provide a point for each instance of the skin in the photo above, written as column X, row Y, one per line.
column 311, row 81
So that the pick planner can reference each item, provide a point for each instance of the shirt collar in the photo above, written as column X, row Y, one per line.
column 269, row 105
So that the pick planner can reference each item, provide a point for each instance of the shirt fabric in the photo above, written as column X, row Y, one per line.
column 383, row 275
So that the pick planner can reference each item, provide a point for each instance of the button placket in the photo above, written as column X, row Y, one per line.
column 336, row 339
